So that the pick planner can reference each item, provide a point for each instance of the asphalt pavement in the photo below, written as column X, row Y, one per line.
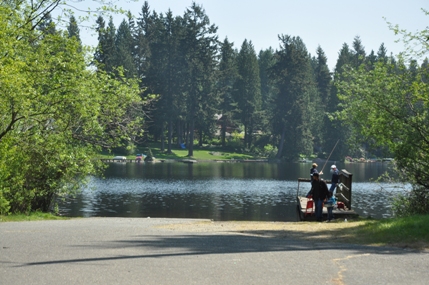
column 142, row 251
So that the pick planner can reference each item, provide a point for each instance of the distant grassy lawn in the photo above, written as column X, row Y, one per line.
column 204, row 153
column 200, row 154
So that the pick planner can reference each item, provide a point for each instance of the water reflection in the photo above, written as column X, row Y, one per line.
column 218, row 191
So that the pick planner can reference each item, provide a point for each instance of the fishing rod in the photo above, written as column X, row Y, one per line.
column 329, row 156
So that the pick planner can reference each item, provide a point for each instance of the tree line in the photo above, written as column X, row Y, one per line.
column 281, row 100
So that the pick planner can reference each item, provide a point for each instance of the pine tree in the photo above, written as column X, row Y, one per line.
column 46, row 25
column 382, row 53
column 124, row 43
column 247, row 89
column 320, row 124
column 371, row 59
column 164, row 73
column 339, row 133
column 359, row 54
column 225, row 86
column 198, row 49
column 105, row 53
column 73, row 29
column 266, row 61
column 142, row 38
column 295, row 85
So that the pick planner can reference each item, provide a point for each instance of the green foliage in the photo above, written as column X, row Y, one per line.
column 32, row 216
column 411, row 230
column 292, row 104
column 247, row 89
column 269, row 150
column 390, row 108
column 55, row 112
column 225, row 86
column 207, row 153
column 415, row 202
column 322, row 103
column 149, row 156
column 386, row 105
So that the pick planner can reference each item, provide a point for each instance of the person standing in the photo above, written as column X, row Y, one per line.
column 319, row 191
column 313, row 170
column 335, row 178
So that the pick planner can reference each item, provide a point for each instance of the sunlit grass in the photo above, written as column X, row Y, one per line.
column 200, row 154
column 204, row 153
column 397, row 231
column 34, row 216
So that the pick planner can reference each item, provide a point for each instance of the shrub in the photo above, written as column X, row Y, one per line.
column 415, row 202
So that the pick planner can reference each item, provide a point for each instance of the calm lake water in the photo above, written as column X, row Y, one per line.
column 252, row 191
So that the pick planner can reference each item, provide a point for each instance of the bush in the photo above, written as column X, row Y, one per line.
column 149, row 156
column 415, row 202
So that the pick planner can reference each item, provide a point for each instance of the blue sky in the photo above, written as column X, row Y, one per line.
column 328, row 23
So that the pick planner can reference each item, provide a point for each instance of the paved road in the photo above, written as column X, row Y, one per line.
column 139, row 251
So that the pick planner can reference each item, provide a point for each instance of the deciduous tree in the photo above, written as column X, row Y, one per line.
column 54, row 110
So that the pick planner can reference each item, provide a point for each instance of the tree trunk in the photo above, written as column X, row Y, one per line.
column 223, row 132
column 191, row 138
column 170, row 134
column 282, row 139
column 200, row 139
column 162, row 138
column 179, row 133
column 245, row 135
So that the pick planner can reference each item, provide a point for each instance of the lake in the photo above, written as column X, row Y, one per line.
column 251, row 191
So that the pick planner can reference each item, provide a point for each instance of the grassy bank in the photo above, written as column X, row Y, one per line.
column 409, row 231
column 35, row 216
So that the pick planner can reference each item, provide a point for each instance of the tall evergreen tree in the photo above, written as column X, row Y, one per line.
column 359, row 54
column 73, row 29
column 266, row 61
column 199, row 50
column 295, row 84
column 371, row 59
column 124, row 44
column 344, row 58
column 382, row 53
column 339, row 132
column 46, row 25
column 248, row 89
column 323, row 102
column 164, row 73
column 227, row 77
column 142, row 38
column 105, row 53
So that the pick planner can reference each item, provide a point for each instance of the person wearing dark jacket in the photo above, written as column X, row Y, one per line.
column 319, row 191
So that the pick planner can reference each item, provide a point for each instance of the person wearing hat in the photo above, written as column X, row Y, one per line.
column 319, row 191
column 314, row 170
column 335, row 178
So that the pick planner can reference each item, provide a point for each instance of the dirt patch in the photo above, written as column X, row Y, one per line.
column 337, row 231
column 303, row 230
